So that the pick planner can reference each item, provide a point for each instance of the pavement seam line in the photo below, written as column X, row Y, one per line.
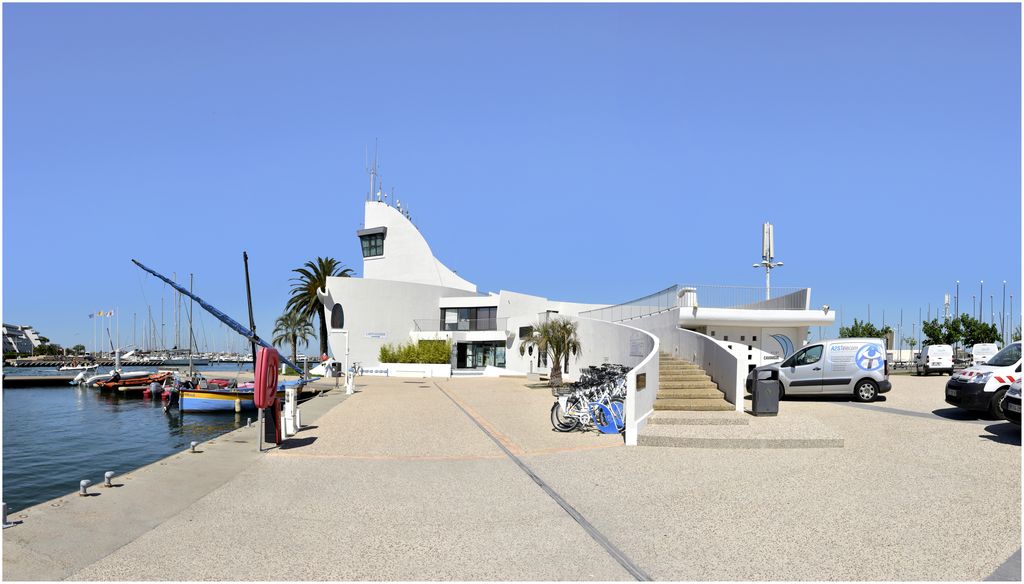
column 481, row 421
column 616, row 554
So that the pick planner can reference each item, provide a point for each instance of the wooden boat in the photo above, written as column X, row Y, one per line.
column 219, row 400
column 137, row 381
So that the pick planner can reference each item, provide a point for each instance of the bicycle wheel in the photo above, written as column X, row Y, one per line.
column 618, row 408
column 560, row 421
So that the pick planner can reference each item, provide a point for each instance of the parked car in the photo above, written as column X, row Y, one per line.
column 855, row 367
column 1010, row 406
column 934, row 359
column 982, row 352
column 982, row 387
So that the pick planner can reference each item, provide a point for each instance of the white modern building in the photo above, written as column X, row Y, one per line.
column 20, row 338
column 407, row 294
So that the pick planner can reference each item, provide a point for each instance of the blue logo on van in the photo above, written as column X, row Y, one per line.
column 869, row 358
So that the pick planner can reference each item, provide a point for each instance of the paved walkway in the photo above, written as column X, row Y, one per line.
column 465, row 480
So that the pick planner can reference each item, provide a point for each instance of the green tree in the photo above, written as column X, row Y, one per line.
column 78, row 349
column 1016, row 335
column 940, row 333
column 971, row 331
column 559, row 338
column 864, row 330
column 911, row 342
column 312, row 277
column 292, row 328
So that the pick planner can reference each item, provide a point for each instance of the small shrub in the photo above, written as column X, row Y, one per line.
column 437, row 352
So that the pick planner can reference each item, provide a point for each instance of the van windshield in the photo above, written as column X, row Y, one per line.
column 940, row 350
column 1008, row 356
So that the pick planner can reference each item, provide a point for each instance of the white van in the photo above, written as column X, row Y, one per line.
column 839, row 366
column 982, row 352
column 934, row 359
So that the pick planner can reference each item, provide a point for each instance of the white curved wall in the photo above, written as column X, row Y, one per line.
column 407, row 256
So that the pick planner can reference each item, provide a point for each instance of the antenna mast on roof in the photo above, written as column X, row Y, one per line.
column 372, row 170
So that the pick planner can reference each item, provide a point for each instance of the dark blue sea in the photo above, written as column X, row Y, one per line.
column 53, row 437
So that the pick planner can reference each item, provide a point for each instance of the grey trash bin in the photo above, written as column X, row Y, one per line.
column 766, row 397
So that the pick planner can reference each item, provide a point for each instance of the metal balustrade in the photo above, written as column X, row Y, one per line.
column 466, row 324
column 707, row 296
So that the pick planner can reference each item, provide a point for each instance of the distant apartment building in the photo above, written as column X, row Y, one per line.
column 20, row 339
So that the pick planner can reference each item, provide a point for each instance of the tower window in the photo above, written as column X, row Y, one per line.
column 373, row 245
column 372, row 241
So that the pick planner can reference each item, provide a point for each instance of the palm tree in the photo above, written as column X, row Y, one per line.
column 312, row 276
column 292, row 328
column 558, row 337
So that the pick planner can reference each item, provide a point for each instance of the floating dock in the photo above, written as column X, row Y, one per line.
column 37, row 381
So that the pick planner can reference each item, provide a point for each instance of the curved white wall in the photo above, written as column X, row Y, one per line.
column 407, row 256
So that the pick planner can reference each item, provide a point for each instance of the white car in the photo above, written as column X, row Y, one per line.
column 982, row 387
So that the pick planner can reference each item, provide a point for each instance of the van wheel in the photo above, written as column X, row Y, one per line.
column 917, row 370
column 867, row 391
column 993, row 406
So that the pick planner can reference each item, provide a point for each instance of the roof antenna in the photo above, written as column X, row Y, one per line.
column 372, row 171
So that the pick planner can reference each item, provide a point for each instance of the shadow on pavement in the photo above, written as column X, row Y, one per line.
column 957, row 414
column 1004, row 433
column 827, row 398
column 297, row 443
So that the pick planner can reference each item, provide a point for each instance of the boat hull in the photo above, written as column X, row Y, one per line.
column 197, row 400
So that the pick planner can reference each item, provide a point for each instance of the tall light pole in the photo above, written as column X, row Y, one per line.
column 981, row 302
column 767, row 257
column 956, row 302
column 992, row 309
column 974, row 306
column 1002, row 321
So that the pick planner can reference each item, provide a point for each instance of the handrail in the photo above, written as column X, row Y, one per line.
column 462, row 325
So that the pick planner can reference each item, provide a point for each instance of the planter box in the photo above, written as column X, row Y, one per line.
column 417, row 369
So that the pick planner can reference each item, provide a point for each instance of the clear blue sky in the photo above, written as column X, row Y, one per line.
column 591, row 153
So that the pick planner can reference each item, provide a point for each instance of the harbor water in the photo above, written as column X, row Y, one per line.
column 53, row 437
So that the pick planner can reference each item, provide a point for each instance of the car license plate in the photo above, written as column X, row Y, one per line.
column 952, row 392
column 936, row 364
column 1013, row 407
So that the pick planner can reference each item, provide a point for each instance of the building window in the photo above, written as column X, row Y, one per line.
column 469, row 319
column 337, row 317
column 373, row 245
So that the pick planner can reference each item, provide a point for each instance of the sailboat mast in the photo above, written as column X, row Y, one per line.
column 191, row 368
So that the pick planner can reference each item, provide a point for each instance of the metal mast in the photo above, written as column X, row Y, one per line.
column 767, row 257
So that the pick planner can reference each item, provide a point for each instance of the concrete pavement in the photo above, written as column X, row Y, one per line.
column 403, row 481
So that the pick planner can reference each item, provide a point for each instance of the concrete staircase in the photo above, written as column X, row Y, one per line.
column 683, row 386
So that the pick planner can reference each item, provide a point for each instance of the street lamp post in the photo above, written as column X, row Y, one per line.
column 1002, row 320
column 981, row 302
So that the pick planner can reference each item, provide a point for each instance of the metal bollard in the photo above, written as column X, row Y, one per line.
column 248, row 422
column 6, row 522
column 193, row 445
column 106, row 478
column 82, row 486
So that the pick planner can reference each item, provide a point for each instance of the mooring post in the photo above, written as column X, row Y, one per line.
column 83, row 485
column 106, row 478
column 192, row 446
column 6, row 522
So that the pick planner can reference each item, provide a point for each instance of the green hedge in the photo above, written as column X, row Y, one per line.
column 438, row 352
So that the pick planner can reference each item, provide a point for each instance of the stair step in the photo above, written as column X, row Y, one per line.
column 699, row 404
column 703, row 393
column 684, row 377
column 687, row 385
column 699, row 418
column 791, row 431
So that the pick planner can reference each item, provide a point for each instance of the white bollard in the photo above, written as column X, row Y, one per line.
column 106, row 478
column 6, row 522
column 192, row 446
column 83, row 486
column 298, row 419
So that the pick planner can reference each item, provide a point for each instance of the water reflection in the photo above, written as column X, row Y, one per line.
column 54, row 437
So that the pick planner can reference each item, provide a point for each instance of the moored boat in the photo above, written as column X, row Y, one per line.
column 139, row 382
column 219, row 400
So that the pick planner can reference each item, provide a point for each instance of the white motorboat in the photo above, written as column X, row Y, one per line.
column 77, row 368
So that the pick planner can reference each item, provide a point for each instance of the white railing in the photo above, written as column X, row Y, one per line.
column 646, row 306
column 607, row 342
column 745, row 297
